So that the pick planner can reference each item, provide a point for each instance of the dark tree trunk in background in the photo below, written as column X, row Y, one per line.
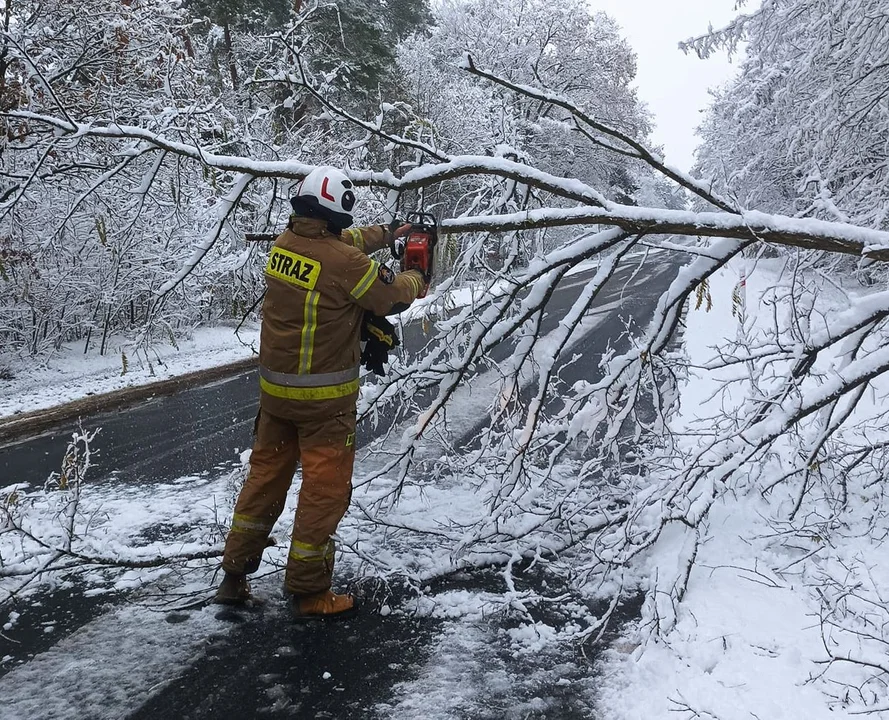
column 230, row 54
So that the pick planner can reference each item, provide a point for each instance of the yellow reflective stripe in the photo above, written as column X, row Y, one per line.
column 306, row 380
column 418, row 288
column 248, row 524
column 325, row 392
column 310, row 322
column 365, row 282
column 303, row 552
column 309, row 548
column 357, row 238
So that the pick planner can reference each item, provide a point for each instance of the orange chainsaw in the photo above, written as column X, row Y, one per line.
column 417, row 252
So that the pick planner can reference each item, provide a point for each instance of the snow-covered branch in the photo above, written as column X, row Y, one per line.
column 749, row 225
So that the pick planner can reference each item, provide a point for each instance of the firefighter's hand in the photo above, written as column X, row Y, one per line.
column 397, row 240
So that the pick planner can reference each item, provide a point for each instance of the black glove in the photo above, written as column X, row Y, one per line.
column 379, row 337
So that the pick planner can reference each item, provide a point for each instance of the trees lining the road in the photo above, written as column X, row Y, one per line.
column 597, row 479
column 802, row 129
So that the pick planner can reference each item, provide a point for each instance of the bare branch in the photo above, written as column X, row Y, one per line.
column 638, row 149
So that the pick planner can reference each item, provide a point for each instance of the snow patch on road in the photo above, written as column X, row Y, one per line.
column 108, row 667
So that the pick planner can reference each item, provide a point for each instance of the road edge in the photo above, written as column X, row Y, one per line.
column 20, row 427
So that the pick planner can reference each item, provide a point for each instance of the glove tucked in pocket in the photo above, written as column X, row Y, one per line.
column 379, row 338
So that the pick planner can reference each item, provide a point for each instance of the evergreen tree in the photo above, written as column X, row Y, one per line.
column 359, row 38
column 238, row 15
column 243, row 15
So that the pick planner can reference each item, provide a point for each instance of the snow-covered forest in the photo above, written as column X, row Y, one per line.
column 143, row 140
column 193, row 120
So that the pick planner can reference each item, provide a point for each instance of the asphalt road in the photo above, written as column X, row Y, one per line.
column 162, row 439
column 203, row 429
column 199, row 431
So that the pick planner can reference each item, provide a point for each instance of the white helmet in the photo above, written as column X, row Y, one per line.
column 326, row 193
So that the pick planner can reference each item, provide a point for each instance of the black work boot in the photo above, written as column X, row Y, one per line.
column 233, row 590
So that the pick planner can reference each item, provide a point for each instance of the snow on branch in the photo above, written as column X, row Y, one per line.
column 51, row 532
column 115, row 131
column 727, row 38
column 794, row 232
column 749, row 225
column 227, row 205
column 426, row 175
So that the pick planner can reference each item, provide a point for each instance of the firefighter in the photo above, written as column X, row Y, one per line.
column 320, row 283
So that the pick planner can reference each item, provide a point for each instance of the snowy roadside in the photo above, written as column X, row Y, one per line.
column 69, row 375
column 771, row 625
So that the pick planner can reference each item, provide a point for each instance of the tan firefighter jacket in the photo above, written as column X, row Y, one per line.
column 319, row 286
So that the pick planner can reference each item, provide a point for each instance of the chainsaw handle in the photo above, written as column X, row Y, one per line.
column 421, row 219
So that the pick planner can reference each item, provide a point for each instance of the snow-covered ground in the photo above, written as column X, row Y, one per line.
column 755, row 633
column 751, row 638
column 68, row 374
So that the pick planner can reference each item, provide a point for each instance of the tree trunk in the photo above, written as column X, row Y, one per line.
column 230, row 54
column 4, row 63
column 105, row 331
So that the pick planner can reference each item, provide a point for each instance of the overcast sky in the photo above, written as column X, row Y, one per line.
column 672, row 84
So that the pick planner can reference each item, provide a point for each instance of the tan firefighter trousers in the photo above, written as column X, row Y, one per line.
column 326, row 448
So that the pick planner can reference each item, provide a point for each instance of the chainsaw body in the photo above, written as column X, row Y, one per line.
column 419, row 247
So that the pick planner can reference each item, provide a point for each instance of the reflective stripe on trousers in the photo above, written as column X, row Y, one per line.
column 325, row 445
column 248, row 524
column 304, row 552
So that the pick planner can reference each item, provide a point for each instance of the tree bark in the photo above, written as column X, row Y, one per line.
column 233, row 70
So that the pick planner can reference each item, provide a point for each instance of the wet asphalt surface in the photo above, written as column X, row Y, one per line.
column 268, row 666
column 162, row 439
column 262, row 667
